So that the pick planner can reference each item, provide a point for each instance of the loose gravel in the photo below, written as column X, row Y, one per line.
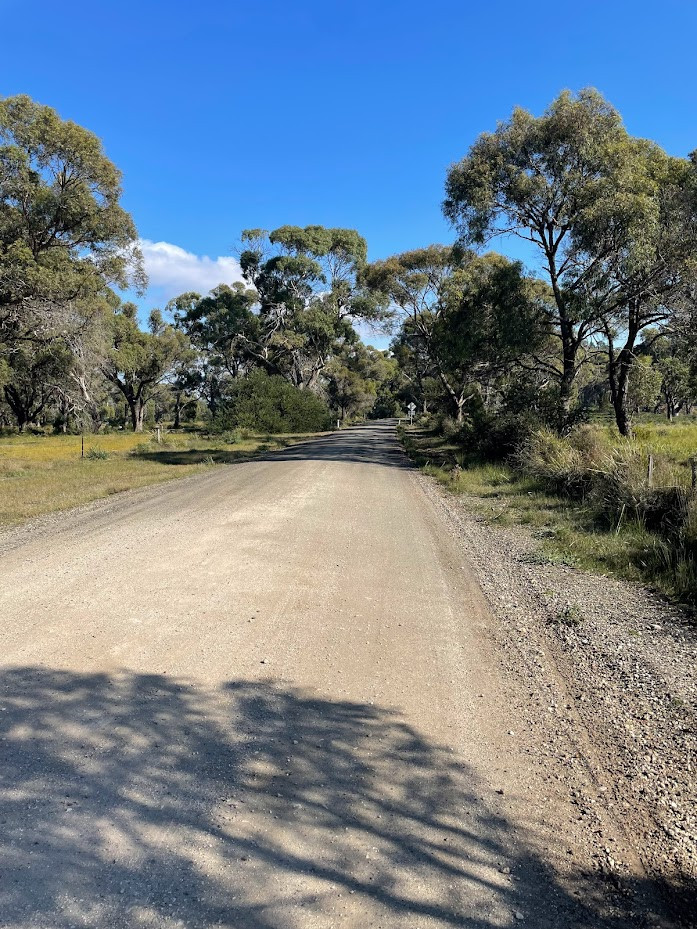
column 627, row 660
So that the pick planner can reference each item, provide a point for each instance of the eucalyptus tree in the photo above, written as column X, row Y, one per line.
column 357, row 377
column 310, row 290
column 415, row 285
column 63, row 234
column 415, row 369
column 138, row 362
column 465, row 318
column 493, row 318
column 35, row 381
column 221, row 325
column 598, row 205
column 650, row 265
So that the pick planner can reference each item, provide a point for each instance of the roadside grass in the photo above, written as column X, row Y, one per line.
column 45, row 473
column 568, row 532
column 676, row 441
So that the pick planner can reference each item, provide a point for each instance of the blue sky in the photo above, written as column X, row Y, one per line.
column 223, row 116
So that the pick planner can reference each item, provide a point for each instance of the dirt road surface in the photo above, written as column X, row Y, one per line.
column 269, row 697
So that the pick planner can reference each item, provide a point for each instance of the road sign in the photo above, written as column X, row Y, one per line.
column 411, row 408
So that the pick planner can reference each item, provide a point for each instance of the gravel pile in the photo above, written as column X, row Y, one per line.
column 628, row 666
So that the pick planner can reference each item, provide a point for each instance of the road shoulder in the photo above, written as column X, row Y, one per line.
column 608, row 674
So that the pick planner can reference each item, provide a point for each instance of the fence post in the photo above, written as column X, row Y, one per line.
column 693, row 465
column 650, row 475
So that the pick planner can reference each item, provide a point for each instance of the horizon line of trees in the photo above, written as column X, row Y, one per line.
column 604, row 320
column 73, row 354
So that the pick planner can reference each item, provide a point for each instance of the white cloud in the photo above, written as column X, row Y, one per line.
column 172, row 270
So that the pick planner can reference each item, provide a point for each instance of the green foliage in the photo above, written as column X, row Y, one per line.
column 356, row 376
column 309, row 285
column 676, row 383
column 33, row 377
column 644, row 387
column 138, row 361
column 231, row 437
column 521, row 166
column 609, row 214
column 465, row 320
column 63, row 234
column 265, row 403
column 570, row 615
column 96, row 454
column 222, row 324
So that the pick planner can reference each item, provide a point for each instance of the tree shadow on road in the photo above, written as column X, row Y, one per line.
column 374, row 443
column 140, row 800
column 366, row 444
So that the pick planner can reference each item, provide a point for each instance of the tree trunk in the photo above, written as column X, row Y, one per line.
column 136, row 409
column 623, row 420
column 177, row 410
column 623, row 416
column 458, row 400
column 566, row 386
column 619, row 367
column 22, row 411
column 570, row 339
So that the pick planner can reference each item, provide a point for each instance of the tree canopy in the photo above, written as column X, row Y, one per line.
column 604, row 316
column 607, row 212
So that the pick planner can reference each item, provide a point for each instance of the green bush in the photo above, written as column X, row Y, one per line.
column 612, row 479
column 498, row 437
column 554, row 462
column 488, row 436
column 270, row 404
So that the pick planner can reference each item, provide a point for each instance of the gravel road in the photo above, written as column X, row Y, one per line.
column 274, row 696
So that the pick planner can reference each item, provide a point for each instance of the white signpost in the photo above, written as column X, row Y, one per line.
column 412, row 410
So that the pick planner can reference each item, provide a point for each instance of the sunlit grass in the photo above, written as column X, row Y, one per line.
column 677, row 441
column 43, row 474
column 567, row 531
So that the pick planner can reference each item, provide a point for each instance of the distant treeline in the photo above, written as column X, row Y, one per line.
column 604, row 321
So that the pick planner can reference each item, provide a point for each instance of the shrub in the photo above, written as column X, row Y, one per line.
column 613, row 481
column 498, row 437
column 571, row 616
column 554, row 462
column 270, row 404
column 451, row 429
column 96, row 454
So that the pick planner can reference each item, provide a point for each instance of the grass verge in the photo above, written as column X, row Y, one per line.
column 568, row 532
column 44, row 474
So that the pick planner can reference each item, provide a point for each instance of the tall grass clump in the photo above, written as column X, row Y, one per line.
column 617, row 487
